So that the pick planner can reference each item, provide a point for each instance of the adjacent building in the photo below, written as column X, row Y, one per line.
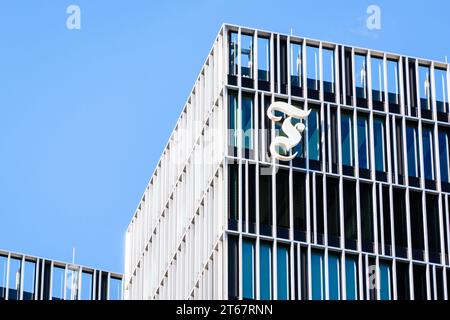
column 24, row 277
column 360, row 210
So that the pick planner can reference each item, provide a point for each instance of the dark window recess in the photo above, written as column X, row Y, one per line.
column 350, row 222
column 387, row 221
column 104, row 286
column 233, row 268
column 400, row 226
column 420, row 282
column 265, row 201
column 412, row 88
column 379, row 213
column 417, row 237
column 434, row 236
column 243, row 197
column 333, row 212
column 439, row 284
column 367, row 236
column 372, row 287
column 445, row 213
column 233, row 196
column 275, row 57
column 299, row 204
column 402, row 271
column 47, row 279
column 400, row 155
column 283, row 64
column 341, row 74
column 251, row 198
column 282, row 205
column 319, row 209
column 348, row 76
column 334, row 140
column 304, row 272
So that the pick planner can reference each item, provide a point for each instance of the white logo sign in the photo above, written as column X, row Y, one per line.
column 292, row 132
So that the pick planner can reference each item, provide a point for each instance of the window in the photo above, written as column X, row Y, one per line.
column 400, row 226
column 412, row 152
column 72, row 284
column 417, row 237
column 247, row 56
column 347, row 139
column 233, row 122
column 58, row 275
column 363, row 143
column 265, row 201
column 263, row 59
column 350, row 222
column 115, row 288
column 247, row 122
column 233, row 196
column 299, row 205
column 428, row 153
column 444, row 155
column 317, row 276
column 351, row 277
column 361, row 78
column 440, row 77
column 283, row 272
column 86, row 286
column 233, row 268
column 425, row 88
column 3, row 272
column 319, row 212
column 314, row 135
column 328, row 74
column 402, row 272
column 420, row 282
column 248, row 274
column 334, row 262
column 385, row 281
column 282, row 181
column 377, row 82
column 387, row 221
column 15, row 266
column 379, row 144
column 233, row 54
column 29, row 281
column 367, row 234
column 313, row 79
column 393, row 82
column 251, row 192
column 434, row 237
column 296, row 65
column 399, row 148
column 333, row 212
column 265, row 272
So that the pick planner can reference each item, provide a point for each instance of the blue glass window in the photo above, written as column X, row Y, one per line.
column 440, row 76
column 425, row 87
column 312, row 57
column 247, row 122
column 443, row 156
column 265, row 272
column 72, row 284
column 29, row 281
column 296, row 64
column 385, row 281
column 86, row 286
column 314, row 135
column 377, row 79
column 233, row 120
column 363, row 142
column 248, row 275
column 14, row 278
column 393, row 81
column 115, row 289
column 263, row 59
column 347, row 139
column 427, row 142
column 378, row 137
column 282, row 273
column 317, row 276
column 351, row 277
column 58, row 275
column 247, row 56
column 233, row 54
column 333, row 276
column 328, row 70
column 361, row 76
column 412, row 151
column 3, row 268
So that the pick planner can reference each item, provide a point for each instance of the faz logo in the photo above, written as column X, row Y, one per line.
column 292, row 132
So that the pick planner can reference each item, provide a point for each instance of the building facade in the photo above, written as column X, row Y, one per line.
column 359, row 211
column 24, row 277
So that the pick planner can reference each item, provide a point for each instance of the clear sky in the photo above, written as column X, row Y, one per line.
column 85, row 114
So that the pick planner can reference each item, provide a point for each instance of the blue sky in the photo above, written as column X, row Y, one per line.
column 85, row 114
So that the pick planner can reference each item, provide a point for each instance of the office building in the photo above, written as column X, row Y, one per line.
column 357, row 207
